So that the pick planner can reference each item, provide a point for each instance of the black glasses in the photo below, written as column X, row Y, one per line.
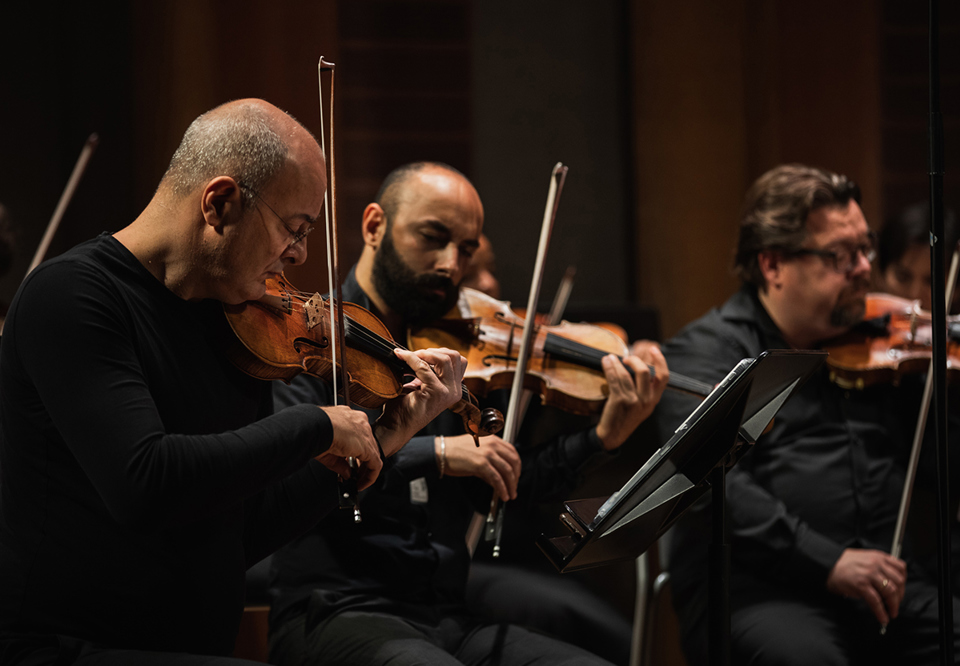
column 845, row 259
column 297, row 235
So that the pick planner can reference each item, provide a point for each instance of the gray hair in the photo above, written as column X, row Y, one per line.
column 241, row 143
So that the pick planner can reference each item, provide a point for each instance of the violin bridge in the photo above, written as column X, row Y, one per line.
column 313, row 307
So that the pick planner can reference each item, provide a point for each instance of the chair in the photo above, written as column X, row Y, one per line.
column 656, row 634
column 252, row 637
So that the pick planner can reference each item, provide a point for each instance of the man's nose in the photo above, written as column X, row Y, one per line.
column 862, row 264
column 295, row 254
column 448, row 261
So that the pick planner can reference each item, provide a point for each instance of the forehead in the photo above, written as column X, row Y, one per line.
column 837, row 224
column 435, row 195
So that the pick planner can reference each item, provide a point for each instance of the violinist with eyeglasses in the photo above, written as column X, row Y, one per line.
column 141, row 472
column 813, row 505
column 391, row 589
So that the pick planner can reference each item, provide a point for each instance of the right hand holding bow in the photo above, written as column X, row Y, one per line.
column 872, row 575
column 495, row 461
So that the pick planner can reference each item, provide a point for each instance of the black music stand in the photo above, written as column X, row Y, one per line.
column 694, row 460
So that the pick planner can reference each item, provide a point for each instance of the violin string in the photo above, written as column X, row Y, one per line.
column 368, row 337
column 576, row 352
column 360, row 331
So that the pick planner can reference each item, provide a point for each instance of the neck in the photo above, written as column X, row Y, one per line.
column 792, row 333
column 158, row 243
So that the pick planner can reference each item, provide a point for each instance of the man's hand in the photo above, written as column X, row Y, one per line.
column 872, row 575
column 632, row 399
column 435, row 387
column 495, row 461
column 352, row 437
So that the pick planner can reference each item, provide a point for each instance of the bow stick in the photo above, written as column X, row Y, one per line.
column 88, row 147
column 560, row 300
column 348, row 487
column 494, row 526
column 918, row 433
column 921, row 426
column 81, row 165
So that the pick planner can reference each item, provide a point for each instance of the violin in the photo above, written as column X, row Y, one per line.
column 541, row 318
column 565, row 362
column 894, row 339
column 287, row 332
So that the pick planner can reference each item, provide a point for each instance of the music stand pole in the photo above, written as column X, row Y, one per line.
column 719, row 585
column 939, row 364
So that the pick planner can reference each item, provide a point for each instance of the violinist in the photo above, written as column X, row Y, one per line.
column 903, row 253
column 813, row 506
column 391, row 589
column 141, row 473
column 481, row 273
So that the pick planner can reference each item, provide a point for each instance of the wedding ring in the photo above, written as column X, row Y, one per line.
column 885, row 582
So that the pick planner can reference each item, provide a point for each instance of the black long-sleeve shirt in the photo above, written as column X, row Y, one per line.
column 828, row 475
column 410, row 547
column 141, row 473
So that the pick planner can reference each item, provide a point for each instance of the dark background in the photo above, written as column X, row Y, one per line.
column 663, row 111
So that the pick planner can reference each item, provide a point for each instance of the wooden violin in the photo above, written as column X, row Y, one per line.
column 287, row 332
column 565, row 361
column 895, row 339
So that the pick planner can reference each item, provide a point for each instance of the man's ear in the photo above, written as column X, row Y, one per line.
column 374, row 225
column 220, row 199
column 770, row 263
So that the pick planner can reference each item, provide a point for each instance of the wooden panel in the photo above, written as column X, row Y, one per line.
column 403, row 81
column 690, row 152
column 724, row 91
column 904, row 102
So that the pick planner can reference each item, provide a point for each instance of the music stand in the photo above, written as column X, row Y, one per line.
column 717, row 433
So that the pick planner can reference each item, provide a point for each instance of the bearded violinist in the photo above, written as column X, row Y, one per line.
column 390, row 590
column 142, row 473
column 813, row 505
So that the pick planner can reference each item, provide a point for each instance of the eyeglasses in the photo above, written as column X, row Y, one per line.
column 844, row 259
column 297, row 235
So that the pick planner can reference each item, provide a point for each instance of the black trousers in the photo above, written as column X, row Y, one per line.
column 435, row 636
column 49, row 650
column 770, row 625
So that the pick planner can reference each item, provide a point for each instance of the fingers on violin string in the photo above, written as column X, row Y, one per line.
column 642, row 375
column 616, row 373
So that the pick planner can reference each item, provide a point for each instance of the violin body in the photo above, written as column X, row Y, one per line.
column 544, row 319
column 564, row 367
column 283, row 334
column 286, row 333
column 864, row 356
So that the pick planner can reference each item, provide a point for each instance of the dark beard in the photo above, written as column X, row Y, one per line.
column 849, row 313
column 404, row 291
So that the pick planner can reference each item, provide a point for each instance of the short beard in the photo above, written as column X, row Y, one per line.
column 848, row 314
column 403, row 291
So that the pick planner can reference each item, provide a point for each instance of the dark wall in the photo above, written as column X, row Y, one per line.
column 66, row 74
column 550, row 86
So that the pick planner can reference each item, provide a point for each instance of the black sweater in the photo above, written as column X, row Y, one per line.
column 140, row 472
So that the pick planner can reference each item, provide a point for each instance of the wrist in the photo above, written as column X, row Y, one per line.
column 605, row 438
column 387, row 439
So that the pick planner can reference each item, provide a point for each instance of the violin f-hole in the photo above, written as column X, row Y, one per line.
column 300, row 343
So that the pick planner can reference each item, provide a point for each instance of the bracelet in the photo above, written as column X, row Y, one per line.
column 443, row 455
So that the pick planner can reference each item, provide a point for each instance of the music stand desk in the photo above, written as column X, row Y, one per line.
column 715, row 435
